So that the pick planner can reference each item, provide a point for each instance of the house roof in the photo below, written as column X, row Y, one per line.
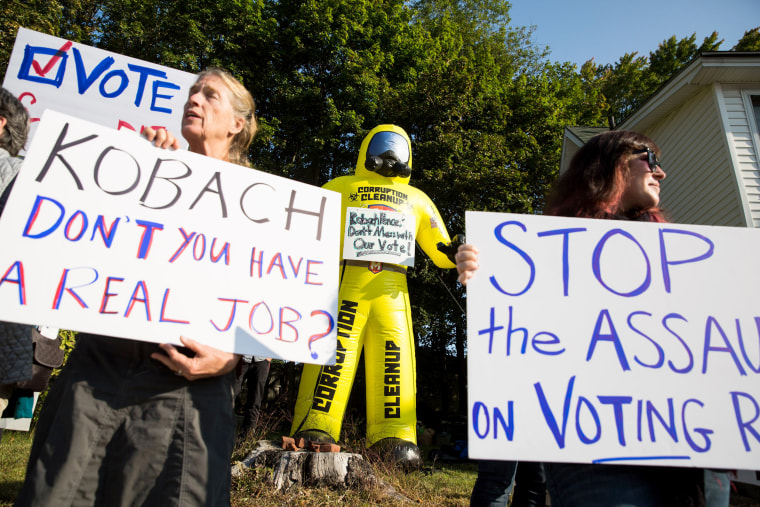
column 710, row 67
column 579, row 135
column 574, row 138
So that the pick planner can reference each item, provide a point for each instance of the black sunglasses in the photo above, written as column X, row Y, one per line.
column 652, row 159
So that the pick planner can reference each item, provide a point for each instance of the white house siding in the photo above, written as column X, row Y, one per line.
column 700, row 187
column 743, row 153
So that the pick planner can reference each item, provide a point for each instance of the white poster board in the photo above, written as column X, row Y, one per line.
column 600, row 341
column 379, row 235
column 107, row 234
column 110, row 89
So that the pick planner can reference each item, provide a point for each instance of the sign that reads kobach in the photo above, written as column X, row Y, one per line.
column 379, row 235
column 601, row 341
column 105, row 233
column 110, row 89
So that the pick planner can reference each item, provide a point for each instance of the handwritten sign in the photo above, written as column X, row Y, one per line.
column 379, row 235
column 110, row 89
column 600, row 341
column 106, row 234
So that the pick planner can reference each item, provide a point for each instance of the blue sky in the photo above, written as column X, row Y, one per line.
column 577, row 30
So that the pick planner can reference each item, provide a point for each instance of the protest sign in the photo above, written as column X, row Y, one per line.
column 110, row 89
column 379, row 235
column 601, row 341
column 107, row 234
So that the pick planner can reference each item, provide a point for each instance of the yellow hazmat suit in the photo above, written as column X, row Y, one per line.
column 373, row 304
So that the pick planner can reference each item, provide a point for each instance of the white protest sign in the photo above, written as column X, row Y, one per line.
column 105, row 233
column 379, row 235
column 110, row 89
column 601, row 341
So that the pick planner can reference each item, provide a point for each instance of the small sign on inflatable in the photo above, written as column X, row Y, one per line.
column 107, row 234
column 601, row 341
column 379, row 235
column 110, row 89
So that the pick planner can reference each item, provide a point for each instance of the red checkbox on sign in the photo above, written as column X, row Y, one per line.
column 44, row 65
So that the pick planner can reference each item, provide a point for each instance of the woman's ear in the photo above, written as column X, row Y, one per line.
column 238, row 125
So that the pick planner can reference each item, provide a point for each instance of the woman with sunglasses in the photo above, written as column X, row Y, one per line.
column 616, row 175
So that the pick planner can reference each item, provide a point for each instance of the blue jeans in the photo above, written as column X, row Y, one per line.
column 585, row 485
column 493, row 484
column 717, row 488
column 530, row 485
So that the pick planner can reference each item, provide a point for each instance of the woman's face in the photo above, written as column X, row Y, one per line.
column 209, row 118
column 642, row 188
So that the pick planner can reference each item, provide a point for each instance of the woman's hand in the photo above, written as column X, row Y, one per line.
column 467, row 262
column 208, row 361
column 161, row 138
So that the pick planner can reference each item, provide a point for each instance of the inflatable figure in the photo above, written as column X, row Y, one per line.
column 374, row 311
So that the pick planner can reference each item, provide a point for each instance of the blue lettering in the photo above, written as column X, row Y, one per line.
column 144, row 73
column 35, row 213
column 124, row 81
column 689, row 367
column 613, row 337
column 617, row 402
column 525, row 256
column 101, row 227
column 702, row 431
column 664, row 255
column 745, row 426
column 156, row 95
column 83, row 80
column 559, row 435
column 660, row 352
column 584, row 402
column 597, row 270
column 670, row 428
column 565, row 248
column 711, row 322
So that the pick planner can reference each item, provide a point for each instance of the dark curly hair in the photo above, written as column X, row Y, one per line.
column 593, row 185
column 16, row 128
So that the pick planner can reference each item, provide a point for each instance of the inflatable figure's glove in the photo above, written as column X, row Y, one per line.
column 451, row 249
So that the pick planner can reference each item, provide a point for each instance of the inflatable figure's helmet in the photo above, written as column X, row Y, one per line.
column 386, row 152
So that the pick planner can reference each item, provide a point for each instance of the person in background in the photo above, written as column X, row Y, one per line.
column 496, row 481
column 616, row 175
column 136, row 423
column 254, row 371
column 15, row 339
column 493, row 484
column 14, row 129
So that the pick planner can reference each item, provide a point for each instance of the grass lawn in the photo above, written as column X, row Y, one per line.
column 14, row 452
column 437, row 484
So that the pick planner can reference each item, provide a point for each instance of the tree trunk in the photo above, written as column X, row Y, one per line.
column 314, row 469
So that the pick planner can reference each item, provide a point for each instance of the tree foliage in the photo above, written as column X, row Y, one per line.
column 632, row 79
column 750, row 41
column 483, row 104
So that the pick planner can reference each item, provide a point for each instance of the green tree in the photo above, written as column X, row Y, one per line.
column 484, row 106
column 40, row 15
column 632, row 79
column 328, row 66
column 750, row 41
column 672, row 55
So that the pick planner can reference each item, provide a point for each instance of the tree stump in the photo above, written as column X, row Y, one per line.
column 314, row 469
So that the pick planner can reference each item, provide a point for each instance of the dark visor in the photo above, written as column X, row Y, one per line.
column 389, row 141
